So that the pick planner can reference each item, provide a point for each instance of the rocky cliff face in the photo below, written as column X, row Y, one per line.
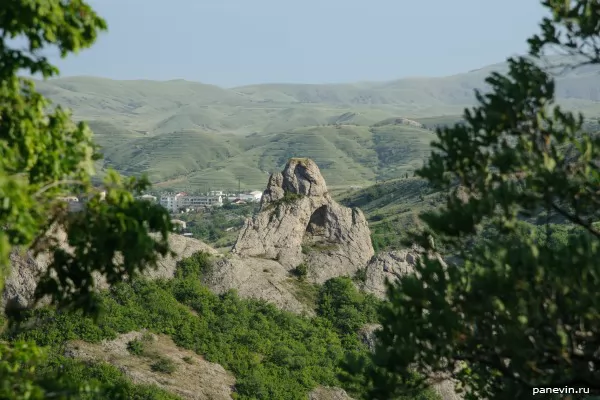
column 257, row 278
column 299, row 223
column 26, row 269
column 388, row 266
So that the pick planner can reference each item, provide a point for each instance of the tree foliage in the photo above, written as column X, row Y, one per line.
column 521, row 310
column 348, row 309
column 272, row 353
column 45, row 155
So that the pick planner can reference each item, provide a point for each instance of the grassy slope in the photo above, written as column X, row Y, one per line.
column 346, row 154
column 392, row 208
column 188, row 134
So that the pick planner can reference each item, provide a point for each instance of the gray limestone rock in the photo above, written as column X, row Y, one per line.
column 299, row 223
column 328, row 393
column 258, row 279
column 389, row 266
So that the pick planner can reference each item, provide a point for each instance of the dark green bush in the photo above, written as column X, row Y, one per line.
column 345, row 307
column 301, row 271
column 163, row 365
column 135, row 347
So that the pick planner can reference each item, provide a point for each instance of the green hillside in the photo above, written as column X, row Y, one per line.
column 346, row 154
column 188, row 134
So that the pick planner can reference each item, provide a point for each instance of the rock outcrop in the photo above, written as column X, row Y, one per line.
column 26, row 269
column 257, row 278
column 367, row 335
column 328, row 393
column 183, row 247
column 387, row 266
column 390, row 266
column 299, row 223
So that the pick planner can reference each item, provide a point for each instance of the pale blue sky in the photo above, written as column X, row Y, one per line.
column 237, row 42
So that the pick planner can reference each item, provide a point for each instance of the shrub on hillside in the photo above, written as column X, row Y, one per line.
column 164, row 366
column 135, row 347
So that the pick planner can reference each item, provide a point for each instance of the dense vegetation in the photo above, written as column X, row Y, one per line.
column 521, row 311
column 273, row 354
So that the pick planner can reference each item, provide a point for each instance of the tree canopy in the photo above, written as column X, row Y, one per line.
column 44, row 155
column 521, row 308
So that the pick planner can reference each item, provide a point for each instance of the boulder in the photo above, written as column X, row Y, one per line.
column 387, row 266
column 390, row 266
column 299, row 223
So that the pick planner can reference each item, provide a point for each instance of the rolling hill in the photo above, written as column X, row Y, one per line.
column 347, row 154
column 193, row 135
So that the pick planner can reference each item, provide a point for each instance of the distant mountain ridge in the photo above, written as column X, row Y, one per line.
column 184, row 133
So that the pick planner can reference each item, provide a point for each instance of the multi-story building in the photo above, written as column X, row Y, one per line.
column 196, row 201
column 175, row 202
column 170, row 200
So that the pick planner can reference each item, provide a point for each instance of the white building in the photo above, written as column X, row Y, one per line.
column 257, row 194
column 169, row 201
column 177, row 201
column 196, row 201
column 251, row 197
column 148, row 197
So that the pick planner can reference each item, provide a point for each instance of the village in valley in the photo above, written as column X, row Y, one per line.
column 213, row 216
column 182, row 202
column 196, row 213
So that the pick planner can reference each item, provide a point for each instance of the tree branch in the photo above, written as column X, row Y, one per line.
column 55, row 184
column 576, row 220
